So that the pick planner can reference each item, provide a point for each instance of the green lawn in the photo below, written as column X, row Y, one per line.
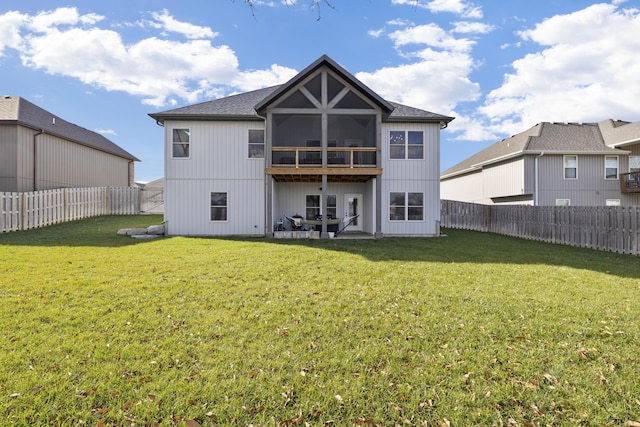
column 471, row 329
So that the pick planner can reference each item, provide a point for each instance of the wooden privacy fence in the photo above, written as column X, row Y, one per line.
column 605, row 228
column 23, row 211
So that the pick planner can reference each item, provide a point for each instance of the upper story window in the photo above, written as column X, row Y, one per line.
column 570, row 167
column 406, row 206
column 634, row 163
column 610, row 167
column 406, row 144
column 180, row 143
column 256, row 144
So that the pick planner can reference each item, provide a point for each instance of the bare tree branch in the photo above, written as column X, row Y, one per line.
column 313, row 5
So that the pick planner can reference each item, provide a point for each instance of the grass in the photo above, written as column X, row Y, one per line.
column 472, row 329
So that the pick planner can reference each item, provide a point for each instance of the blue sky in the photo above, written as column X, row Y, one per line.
column 499, row 67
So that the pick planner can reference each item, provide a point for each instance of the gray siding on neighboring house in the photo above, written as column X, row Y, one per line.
column 591, row 188
column 9, row 159
column 61, row 163
column 40, row 151
column 466, row 188
column 504, row 179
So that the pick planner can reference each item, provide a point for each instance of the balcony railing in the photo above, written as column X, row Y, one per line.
column 337, row 157
column 630, row 182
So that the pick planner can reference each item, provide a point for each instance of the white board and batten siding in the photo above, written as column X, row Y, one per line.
column 218, row 162
column 290, row 198
column 421, row 176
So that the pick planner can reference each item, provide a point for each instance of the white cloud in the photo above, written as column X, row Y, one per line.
column 169, row 23
column 466, row 27
column 158, row 70
column 256, row 79
column 107, row 132
column 586, row 71
column 438, row 79
column 459, row 7
column 10, row 24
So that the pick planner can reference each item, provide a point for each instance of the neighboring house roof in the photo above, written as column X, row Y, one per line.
column 17, row 110
column 618, row 133
column 545, row 137
column 246, row 106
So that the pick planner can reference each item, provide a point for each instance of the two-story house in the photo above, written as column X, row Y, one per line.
column 319, row 147
column 578, row 164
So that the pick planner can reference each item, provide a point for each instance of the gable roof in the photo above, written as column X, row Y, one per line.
column 547, row 137
column 246, row 106
column 324, row 60
column 17, row 110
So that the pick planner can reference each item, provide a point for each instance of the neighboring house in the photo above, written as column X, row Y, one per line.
column 41, row 151
column 323, row 145
column 579, row 164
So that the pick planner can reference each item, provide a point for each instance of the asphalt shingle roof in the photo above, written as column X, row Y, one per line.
column 546, row 136
column 14, row 109
column 243, row 106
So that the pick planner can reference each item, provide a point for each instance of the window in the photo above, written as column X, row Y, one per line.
column 563, row 202
column 256, row 144
column 406, row 145
column 406, row 207
column 180, row 143
column 218, row 206
column 634, row 163
column 314, row 208
column 612, row 202
column 610, row 167
column 570, row 167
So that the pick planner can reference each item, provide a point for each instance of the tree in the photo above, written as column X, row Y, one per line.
column 315, row 5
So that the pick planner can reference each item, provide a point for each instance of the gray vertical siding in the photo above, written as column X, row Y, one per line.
column 412, row 176
column 590, row 189
column 8, row 159
column 59, row 163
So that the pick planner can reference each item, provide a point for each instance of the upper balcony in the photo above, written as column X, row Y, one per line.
column 630, row 182
column 346, row 164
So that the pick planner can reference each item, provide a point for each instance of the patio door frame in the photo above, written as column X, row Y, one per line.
column 358, row 222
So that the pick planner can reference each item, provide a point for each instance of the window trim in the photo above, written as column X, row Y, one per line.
column 211, row 206
column 565, row 168
column 406, row 144
column 249, row 144
column 406, row 207
column 617, row 168
column 173, row 143
column 321, row 204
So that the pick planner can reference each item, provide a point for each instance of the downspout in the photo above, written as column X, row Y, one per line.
column 535, row 202
column 35, row 163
